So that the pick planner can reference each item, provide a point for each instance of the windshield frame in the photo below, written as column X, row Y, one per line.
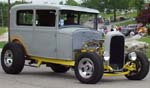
column 78, row 13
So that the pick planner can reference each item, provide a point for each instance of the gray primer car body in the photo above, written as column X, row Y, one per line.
column 51, row 42
column 38, row 34
column 70, row 39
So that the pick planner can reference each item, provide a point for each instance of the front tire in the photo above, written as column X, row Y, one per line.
column 12, row 58
column 89, row 68
column 142, row 67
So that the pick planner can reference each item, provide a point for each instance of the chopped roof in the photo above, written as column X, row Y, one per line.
column 60, row 7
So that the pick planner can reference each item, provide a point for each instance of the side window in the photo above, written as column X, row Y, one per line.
column 45, row 18
column 25, row 17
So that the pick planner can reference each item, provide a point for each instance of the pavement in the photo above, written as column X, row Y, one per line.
column 44, row 77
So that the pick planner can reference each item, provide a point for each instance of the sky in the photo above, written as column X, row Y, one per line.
column 40, row 1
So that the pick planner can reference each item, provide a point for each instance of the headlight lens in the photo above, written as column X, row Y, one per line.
column 106, row 58
column 132, row 56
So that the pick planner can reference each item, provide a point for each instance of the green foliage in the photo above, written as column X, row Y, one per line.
column 148, row 26
column 2, row 30
column 95, row 4
column 113, row 5
column 138, row 4
column 2, row 44
column 72, row 2
column 117, row 4
column 4, row 7
column 126, row 23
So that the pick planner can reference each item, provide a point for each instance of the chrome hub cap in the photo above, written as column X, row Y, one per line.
column 86, row 67
column 8, row 58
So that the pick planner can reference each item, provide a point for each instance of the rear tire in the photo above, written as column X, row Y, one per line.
column 89, row 68
column 142, row 67
column 12, row 58
column 59, row 68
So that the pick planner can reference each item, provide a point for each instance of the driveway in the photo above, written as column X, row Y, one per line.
column 44, row 78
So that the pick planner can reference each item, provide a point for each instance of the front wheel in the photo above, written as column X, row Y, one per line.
column 89, row 68
column 142, row 67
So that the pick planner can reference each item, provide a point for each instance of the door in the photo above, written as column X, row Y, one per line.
column 23, row 28
column 44, row 34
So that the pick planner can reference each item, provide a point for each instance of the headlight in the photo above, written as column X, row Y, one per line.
column 132, row 56
column 106, row 56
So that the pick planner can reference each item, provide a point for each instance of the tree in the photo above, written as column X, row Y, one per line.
column 117, row 4
column 111, row 4
column 138, row 4
column 71, row 2
column 95, row 4
column 4, row 7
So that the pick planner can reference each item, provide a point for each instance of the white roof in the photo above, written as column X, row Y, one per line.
column 59, row 7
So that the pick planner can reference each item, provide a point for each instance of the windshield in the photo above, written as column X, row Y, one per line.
column 75, row 18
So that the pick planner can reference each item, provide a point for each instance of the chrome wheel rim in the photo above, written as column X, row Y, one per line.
column 86, row 68
column 8, row 58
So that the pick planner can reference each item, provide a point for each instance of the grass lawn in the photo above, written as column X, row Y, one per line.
column 131, row 15
column 106, row 15
column 126, row 23
column 147, row 40
column 3, row 30
column 127, row 15
column 2, row 44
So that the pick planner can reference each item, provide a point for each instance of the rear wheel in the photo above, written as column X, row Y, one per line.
column 89, row 68
column 142, row 67
column 12, row 58
column 59, row 68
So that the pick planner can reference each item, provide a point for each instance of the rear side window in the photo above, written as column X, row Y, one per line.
column 45, row 18
column 25, row 17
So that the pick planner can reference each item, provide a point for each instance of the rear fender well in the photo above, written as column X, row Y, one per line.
column 21, row 44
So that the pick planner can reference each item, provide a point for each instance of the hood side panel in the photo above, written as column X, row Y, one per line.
column 80, row 37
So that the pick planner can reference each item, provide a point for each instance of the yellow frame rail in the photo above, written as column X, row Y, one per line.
column 117, row 73
column 129, row 66
column 52, row 60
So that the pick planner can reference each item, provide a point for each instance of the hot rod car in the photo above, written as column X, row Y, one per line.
column 64, row 37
